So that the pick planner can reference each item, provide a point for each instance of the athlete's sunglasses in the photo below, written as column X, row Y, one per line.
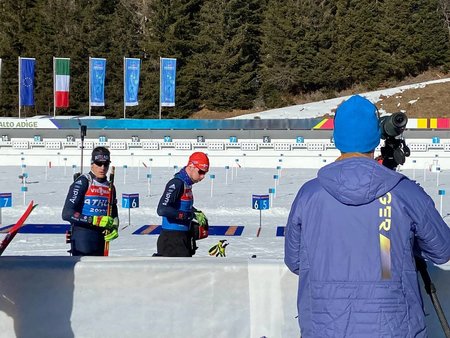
column 101, row 164
column 201, row 172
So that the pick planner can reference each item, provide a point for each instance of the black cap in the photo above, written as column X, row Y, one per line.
column 100, row 154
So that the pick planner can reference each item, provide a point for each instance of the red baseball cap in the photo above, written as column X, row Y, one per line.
column 199, row 160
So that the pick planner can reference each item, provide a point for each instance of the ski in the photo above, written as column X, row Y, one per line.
column 16, row 227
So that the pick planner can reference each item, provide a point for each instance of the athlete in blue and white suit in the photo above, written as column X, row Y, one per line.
column 352, row 234
column 87, row 198
column 177, row 211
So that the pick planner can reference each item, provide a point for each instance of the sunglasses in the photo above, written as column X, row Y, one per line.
column 201, row 172
column 101, row 164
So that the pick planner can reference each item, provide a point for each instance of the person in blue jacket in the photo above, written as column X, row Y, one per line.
column 86, row 208
column 352, row 235
column 176, row 206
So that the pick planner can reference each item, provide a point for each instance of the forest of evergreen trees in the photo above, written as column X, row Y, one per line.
column 231, row 54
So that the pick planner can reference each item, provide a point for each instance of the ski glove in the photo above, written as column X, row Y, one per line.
column 106, row 222
column 218, row 250
column 110, row 236
column 112, row 232
column 201, row 218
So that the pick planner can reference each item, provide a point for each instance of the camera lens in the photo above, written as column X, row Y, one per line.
column 394, row 125
column 399, row 120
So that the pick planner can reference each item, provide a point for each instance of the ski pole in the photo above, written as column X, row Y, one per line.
column 109, row 209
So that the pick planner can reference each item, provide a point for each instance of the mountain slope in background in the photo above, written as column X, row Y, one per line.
column 426, row 99
column 425, row 96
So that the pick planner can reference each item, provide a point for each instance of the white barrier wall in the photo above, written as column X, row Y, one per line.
column 312, row 153
column 66, row 297
column 146, row 297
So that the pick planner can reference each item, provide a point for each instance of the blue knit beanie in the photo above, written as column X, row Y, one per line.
column 356, row 126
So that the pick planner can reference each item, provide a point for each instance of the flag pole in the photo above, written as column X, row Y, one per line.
column 89, row 86
column 19, row 85
column 124, row 90
column 54, row 88
column 160, row 79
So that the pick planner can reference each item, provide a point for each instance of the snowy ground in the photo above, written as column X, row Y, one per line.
column 229, row 205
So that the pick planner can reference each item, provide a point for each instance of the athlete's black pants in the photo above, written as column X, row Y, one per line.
column 172, row 243
column 87, row 241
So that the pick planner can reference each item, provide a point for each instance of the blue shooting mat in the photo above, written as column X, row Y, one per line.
column 214, row 230
column 39, row 228
column 280, row 231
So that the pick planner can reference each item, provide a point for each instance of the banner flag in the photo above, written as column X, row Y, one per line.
column 131, row 81
column 168, row 68
column 97, row 81
column 26, row 81
column 61, row 68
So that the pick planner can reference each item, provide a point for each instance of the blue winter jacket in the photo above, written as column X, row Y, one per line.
column 350, row 238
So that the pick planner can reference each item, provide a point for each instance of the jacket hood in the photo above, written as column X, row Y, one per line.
column 357, row 180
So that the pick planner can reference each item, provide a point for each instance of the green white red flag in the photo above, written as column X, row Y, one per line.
column 61, row 67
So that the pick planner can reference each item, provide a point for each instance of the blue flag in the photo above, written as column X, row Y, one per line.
column 97, row 75
column 167, row 85
column 26, row 81
column 131, row 78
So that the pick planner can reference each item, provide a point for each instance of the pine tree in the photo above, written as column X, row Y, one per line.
column 428, row 41
column 297, row 49
column 16, row 27
column 226, row 64
column 358, row 49
column 209, row 59
column 8, row 75
column 240, row 82
column 171, row 32
column 230, row 54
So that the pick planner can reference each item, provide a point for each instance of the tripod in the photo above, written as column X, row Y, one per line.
column 431, row 291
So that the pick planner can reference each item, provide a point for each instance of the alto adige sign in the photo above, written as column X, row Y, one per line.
column 11, row 123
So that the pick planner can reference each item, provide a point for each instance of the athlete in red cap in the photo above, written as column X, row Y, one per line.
column 178, row 234
column 200, row 161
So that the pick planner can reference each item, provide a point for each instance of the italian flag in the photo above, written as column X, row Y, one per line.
column 61, row 68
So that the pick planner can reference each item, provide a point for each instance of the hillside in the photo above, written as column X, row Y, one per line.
column 432, row 100
column 429, row 101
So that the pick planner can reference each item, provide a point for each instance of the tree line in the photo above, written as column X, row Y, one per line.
column 231, row 54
